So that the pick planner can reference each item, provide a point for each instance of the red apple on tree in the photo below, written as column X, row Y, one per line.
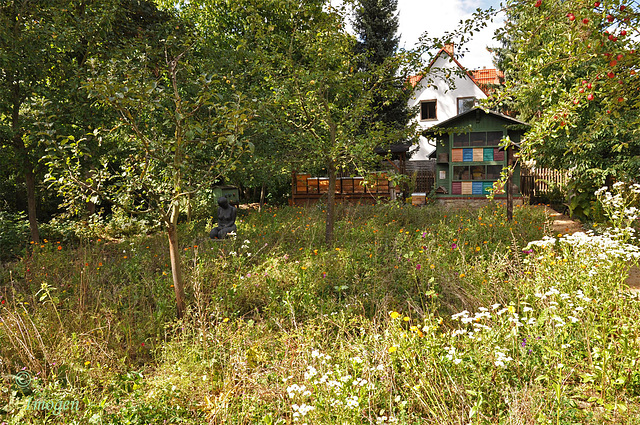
column 610, row 18
column 585, row 21
column 538, row 3
column 596, row 4
column 623, row 33
column 571, row 16
column 589, row 96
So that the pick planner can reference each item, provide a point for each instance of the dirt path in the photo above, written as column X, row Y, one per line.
column 563, row 224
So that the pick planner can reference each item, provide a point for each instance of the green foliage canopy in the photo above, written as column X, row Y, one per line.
column 573, row 69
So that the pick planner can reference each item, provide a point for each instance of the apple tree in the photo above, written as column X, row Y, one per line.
column 321, row 97
column 180, row 126
column 573, row 73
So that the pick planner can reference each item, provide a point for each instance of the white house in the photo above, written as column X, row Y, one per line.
column 440, row 98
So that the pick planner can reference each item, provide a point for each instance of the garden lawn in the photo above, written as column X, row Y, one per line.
column 414, row 316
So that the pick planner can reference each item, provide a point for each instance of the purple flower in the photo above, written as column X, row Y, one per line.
column 454, row 245
column 418, row 267
column 324, row 275
column 424, row 234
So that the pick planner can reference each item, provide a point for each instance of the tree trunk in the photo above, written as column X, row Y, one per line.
column 510, row 184
column 331, row 203
column 176, row 266
column 262, row 190
column 29, row 175
column 30, row 180
column 189, row 208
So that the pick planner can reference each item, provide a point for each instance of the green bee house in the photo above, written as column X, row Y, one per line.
column 468, row 155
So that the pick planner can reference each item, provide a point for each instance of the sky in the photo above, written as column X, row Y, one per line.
column 438, row 16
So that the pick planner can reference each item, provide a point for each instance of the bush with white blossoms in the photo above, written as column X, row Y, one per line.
column 571, row 326
column 621, row 205
column 335, row 391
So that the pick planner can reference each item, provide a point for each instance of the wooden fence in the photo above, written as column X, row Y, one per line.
column 307, row 189
column 423, row 179
column 538, row 182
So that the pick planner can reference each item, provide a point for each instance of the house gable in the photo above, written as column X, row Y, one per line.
column 437, row 100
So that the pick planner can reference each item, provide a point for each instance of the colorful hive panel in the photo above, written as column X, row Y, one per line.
column 456, row 188
column 467, row 188
column 486, row 186
column 487, row 154
column 467, row 155
column 477, row 188
column 498, row 155
column 456, row 155
column 478, row 154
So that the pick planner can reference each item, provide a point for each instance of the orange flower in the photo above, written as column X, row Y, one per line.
column 59, row 248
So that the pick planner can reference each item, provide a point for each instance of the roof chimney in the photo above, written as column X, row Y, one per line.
column 448, row 47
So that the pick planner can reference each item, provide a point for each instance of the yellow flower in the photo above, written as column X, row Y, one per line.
column 462, row 275
column 225, row 320
column 511, row 309
column 87, row 363
column 477, row 248
column 393, row 349
column 394, row 314
column 406, row 319
column 432, row 267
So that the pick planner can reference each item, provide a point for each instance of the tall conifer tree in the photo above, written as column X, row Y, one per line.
column 376, row 25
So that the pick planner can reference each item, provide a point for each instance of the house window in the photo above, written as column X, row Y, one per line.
column 428, row 110
column 465, row 104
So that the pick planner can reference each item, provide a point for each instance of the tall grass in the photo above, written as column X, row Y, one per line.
column 282, row 329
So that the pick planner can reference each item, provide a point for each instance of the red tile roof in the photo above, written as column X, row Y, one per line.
column 487, row 77
column 484, row 78
column 414, row 80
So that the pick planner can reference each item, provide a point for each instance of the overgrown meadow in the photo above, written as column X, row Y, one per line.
column 414, row 316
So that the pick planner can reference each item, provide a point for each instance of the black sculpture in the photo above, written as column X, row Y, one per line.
column 226, row 219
